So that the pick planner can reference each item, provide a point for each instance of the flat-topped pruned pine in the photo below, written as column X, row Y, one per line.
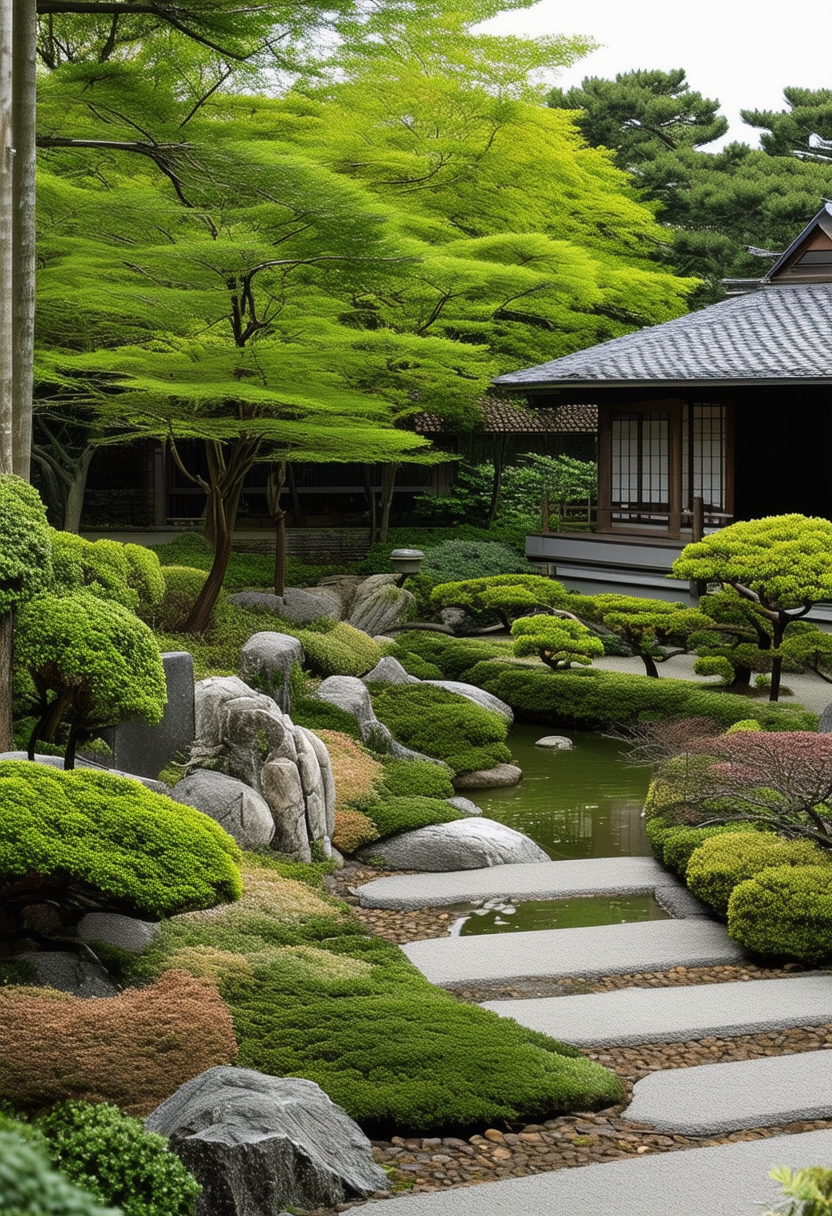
column 557, row 641
column 87, row 839
column 92, row 663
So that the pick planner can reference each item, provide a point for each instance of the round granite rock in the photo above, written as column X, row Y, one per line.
column 489, row 778
column 557, row 743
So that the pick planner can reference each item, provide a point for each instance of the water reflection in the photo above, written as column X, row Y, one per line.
column 500, row 916
column 581, row 803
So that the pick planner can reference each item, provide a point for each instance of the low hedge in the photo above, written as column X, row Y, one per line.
column 720, row 864
column 588, row 700
column 452, row 656
column 785, row 910
column 406, row 814
column 442, row 724
column 114, row 1158
column 412, row 778
column 64, row 833
column 134, row 1049
column 313, row 996
column 674, row 845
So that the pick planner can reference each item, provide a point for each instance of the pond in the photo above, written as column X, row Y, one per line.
column 581, row 803
column 499, row 916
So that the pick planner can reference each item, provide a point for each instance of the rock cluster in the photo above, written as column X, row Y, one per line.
column 242, row 734
column 257, row 1143
column 373, row 604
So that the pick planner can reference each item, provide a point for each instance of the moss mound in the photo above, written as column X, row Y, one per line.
column 442, row 724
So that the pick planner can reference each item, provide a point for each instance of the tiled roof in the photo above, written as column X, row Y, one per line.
column 499, row 416
column 779, row 333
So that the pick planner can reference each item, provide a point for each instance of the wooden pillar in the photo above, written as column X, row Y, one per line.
column 674, row 470
column 604, row 469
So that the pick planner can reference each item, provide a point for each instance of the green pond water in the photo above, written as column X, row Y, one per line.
column 574, row 913
column 581, row 803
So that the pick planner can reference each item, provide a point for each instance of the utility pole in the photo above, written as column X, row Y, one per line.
column 7, row 342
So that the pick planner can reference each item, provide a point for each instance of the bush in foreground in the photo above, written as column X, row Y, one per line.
column 29, row 1186
column 115, row 1159
column 442, row 724
column 134, row 1049
column 785, row 910
column 723, row 862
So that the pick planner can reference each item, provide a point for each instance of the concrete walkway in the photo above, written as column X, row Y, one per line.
column 727, row 1180
column 676, row 1015
column 712, row 1099
column 542, row 880
column 655, row 945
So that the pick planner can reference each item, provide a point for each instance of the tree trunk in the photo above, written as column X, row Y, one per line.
column 6, row 258
column 222, row 513
column 777, row 659
column 6, row 651
column 74, row 492
column 25, row 38
column 742, row 679
column 370, row 495
column 388, row 483
column 650, row 667
column 499, row 451
column 297, row 513
column 274, row 489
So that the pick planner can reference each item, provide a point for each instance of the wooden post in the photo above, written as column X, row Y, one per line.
column 698, row 519
column 604, row 470
column 6, row 241
column 674, row 469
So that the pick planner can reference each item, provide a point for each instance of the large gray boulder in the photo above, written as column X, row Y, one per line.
column 496, row 778
column 378, row 605
column 295, row 606
column 389, row 671
column 67, row 972
column 244, row 734
column 125, row 932
column 351, row 695
column 467, row 844
column 825, row 723
column 459, row 620
column 266, row 660
column 238, row 808
column 479, row 696
column 339, row 590
column 257, row 1144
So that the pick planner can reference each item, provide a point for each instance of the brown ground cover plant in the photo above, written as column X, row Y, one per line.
column 354, row 770
column 134, row 1049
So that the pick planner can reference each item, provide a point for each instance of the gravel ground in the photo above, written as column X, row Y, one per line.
column 420, row 1165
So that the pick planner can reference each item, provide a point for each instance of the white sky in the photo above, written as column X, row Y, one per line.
column 743, row 52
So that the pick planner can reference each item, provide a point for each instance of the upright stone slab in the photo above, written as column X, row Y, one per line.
column 825, row 723
column 145, row 750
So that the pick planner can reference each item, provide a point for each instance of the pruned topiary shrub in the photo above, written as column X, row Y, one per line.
column 679, row 844
column 721, row 863
column 785, row 911
column 591, row 699
column 26, row 547
column 88, row 839
column 92, row 663
column 182, row 585
column 453, row 656
column 442, row 724
column 130, row 575
column 334, row 648
column 134, row 1049
column 115, row 1159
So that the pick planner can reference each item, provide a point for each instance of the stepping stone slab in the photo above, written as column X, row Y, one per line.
column 710, row 1099
column 726, row 1180
column 544, row 880
column 676, row 1015
column 654, row 945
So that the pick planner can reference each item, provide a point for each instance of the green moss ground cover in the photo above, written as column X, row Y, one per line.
column 442, row 724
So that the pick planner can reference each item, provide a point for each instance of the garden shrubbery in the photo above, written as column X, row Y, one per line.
column 114, row 1158
column 334, row 648
column 182, row 586
column 406, row 814
column 720, row 864
column 461, row 559
column 85, row 838
column 130, row 575
column 134, row 1049
column 442, row 724
column 453, row 656
column 785, row 910
column 352, row 830
column 29, row 1186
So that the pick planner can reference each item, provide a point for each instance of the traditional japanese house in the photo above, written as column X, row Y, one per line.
column 720, row 415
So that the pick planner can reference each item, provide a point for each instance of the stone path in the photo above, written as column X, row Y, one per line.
column 675, row 1015
column 542, row 880
column 728, row 1180
column 715, row 1098
column 599, row 950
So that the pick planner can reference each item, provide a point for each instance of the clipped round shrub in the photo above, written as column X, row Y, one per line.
column 134, row 1049
column 442, row 724
column 721, row 863
column 182, row 585
column 452, row 656
column 744, row 724
column 29, row 1186
column 115, row 1159
column 463, row 559
column 352, row 830
column 335, row 648
column 678, row 844
column 785, row 910
column 407, row 814
column 144, row 575
column 86, row 837
column 406, row 778
column 130, row 575
column 26, row 548
column 97, row 660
